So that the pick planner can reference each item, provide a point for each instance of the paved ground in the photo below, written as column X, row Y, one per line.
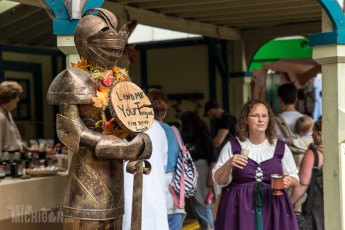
column 190, row 225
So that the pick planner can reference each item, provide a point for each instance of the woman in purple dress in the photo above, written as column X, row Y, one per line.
column 247, row 201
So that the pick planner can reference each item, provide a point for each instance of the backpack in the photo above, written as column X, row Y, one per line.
column 185, row 179
column 297, row 145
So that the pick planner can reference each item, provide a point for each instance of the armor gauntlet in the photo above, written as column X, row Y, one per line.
column 110, row 147
column 73, row 133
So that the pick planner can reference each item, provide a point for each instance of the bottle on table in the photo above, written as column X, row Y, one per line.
column 17, row 166
column 7, row 163
column 28, row 160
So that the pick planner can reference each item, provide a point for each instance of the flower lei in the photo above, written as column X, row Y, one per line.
column 106, row 78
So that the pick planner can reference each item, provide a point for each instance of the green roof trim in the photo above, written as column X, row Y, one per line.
column 281, row 49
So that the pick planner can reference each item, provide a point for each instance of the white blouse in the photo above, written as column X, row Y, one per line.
column 258, row 153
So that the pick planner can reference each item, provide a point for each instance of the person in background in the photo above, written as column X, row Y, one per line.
column 154, row 210
column 160, row 104
column 303, row 130
column 247, row 201
column 304, row 126
column 225, row 123
column 287, row 98
column 10, row 139
column 201, row 147
column 305, row 175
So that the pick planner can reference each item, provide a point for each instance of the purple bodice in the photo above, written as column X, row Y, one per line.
column 236, row 209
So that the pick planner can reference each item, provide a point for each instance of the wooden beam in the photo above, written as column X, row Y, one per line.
column 266, row 23
column 250, row 11
column 269, row 24
column 131, row 1
column 233, row 8
column 163, row 4
column 302, row 29
column 176, row 3
column 36, row 3
column 18, row 13
column 150, row 18
column 27, row 25
column 223, row 19
column 38, row 36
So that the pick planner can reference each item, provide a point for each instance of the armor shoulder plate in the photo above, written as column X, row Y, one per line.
column 72, row 86
column 68, row 132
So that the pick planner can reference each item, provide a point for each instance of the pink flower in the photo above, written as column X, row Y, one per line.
column 107, row 81
column 108, row 122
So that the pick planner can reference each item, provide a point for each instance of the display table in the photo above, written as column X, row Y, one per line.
column 31, row 202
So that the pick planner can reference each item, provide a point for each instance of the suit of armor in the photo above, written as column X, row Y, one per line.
column 94, row 196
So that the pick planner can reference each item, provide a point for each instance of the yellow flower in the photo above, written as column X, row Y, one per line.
column 101, row 99
column 105, row 90
column 116, row 70
column 82, row 64
column 120, row 73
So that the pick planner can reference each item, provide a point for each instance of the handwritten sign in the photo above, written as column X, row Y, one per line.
column 130, row 107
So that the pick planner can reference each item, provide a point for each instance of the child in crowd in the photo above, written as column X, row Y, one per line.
column 304, row 129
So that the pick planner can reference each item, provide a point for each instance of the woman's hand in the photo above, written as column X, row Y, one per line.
column 238, row 161
column 289, row 181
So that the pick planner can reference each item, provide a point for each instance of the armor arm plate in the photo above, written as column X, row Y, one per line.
column 73, row 133
column 68, row 132
column 111, row 147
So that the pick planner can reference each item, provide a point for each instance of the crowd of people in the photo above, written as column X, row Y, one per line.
column 249, row 157
column 240, row 158
column 202, row 149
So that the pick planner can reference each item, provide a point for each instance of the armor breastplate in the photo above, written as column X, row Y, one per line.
column 94, row 189
column 90, row 115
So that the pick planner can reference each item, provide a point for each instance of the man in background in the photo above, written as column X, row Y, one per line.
column 287, row 98
column 224, row 123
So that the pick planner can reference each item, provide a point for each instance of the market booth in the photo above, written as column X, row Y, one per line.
column 32, row 204
column 32, row 187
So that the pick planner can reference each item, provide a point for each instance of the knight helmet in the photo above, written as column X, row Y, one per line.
column 97, row 40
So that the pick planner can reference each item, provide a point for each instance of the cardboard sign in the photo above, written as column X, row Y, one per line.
column 130, row 107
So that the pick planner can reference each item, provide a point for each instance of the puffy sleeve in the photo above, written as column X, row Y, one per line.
column 289, row 165
column 225, row 155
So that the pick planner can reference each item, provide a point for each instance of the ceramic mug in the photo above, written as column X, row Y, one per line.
column 277, row 184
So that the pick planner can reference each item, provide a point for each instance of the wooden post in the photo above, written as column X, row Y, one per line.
column 137, row 197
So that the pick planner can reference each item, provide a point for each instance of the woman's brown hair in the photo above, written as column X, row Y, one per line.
column 160, row 103
column 242, row 124
column 9, row 90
